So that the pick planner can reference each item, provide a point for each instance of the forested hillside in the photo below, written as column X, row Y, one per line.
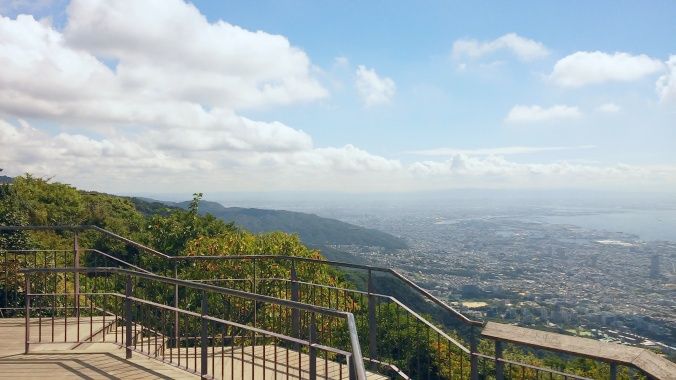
column 312, row 229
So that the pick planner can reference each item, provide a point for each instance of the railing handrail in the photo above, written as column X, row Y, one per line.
column 393, row 272
column 640, row 358
column 635, row 361
column 390, row 298
column 349, row 317
column 197, row 286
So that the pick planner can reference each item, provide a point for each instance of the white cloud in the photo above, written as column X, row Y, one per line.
column 138, row 163
column 373, row 89
column 502, row 151
column 537, row 114
column 666, row 84
column 584, row 68
column 47, row 73
column 341, row 62
column 169, row 45
column 609, row 108
column 525, row 49
column 180, row 80
column 148, row 96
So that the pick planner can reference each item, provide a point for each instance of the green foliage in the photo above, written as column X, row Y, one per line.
column 312, row 229
column 47, row 203
column 11, row 215
column 171, row 233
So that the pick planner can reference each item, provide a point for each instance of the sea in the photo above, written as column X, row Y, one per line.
column 648, row 225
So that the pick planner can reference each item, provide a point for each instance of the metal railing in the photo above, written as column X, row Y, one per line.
column 467, row 363
column 133, row 309
column 453, row 359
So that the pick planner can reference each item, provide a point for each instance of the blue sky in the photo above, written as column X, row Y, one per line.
column 436, row 105
column 387, row 96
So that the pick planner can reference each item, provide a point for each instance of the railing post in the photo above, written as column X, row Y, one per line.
column 127, row 312
column 295, row 296
column 203, row 338
column 499, row 365
column 473, row 359
column 27, row 303
column 613, row 371
column 176, row 316
column 76, row 264
column 253, row 287
column 312, row 350
column 351, row 370
column 373, row 337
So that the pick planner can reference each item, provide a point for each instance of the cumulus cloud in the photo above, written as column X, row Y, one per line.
column 520, row 114
column 175, row 75
column 593, row 67
column 373, row 89
column 523, row 48
column 666, row 84
column 149, row 96
column 170, row 46
column 609, row 108
column 179, row 58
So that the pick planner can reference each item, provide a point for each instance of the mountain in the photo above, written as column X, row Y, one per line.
column 5, row 179
column 312, row 229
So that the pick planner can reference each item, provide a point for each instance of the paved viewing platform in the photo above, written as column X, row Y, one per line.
column 103, row 360
column 74, row 360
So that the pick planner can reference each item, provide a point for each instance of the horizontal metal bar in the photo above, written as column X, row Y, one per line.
column 389, row 298
column 195, row 285
column 82, row 228
column 323, row 286
column 428, row 324
column 434, row 299
column 118, row 260
column 396, row 274
column 128, row 241
column 74, row 294
column 543, row 369
column 34, row 250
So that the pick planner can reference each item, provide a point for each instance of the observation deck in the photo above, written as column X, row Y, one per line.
column 85, row 313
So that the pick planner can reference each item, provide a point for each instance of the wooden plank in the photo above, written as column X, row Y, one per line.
column 643, row 359
column 655, row 365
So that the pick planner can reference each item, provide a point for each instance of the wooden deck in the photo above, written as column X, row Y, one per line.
column 99, row 360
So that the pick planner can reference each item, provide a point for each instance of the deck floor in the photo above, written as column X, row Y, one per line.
column 106, row 360
column 70, row 361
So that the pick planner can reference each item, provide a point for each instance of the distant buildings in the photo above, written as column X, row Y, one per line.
column 655, row 266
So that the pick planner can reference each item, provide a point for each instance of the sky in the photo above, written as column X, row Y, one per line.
column 379, row 96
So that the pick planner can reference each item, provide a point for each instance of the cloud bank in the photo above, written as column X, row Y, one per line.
column 149, row 96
